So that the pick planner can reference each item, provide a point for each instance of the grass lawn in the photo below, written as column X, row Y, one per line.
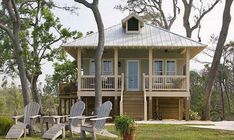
column 168, row 132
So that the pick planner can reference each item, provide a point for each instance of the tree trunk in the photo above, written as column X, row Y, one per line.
column 216, row 60
column 98, row 57
column 21, row 65
column 222, row 96
column 35, row 94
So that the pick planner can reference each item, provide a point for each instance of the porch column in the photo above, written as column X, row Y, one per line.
column 116, row 68
column 150, row 108
column 79, row 71
column 116, row 78
column 150, row 68
column 116, row 106
column 187, row 83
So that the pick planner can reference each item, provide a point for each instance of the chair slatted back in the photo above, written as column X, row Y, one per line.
column 103, row 111
column 31, row 109
column 77, row 109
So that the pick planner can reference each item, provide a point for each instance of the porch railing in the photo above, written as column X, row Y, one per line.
column 108, row 82
column 165, row 82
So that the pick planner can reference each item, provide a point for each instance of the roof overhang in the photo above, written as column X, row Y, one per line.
column 72, row 50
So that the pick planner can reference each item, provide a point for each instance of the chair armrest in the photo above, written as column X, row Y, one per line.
column 103, row 118
column 58, row 117
column 81, row 117
column 17, row 117
column 36, row 116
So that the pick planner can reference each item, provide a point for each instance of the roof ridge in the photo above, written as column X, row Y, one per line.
column 160, row 28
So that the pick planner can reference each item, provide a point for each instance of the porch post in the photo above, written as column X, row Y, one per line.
column 116, row 106
column 116, row 79
column 150, row 108
column 79, row 71
column 150, row 68
column 116, row 68
column 187, row 83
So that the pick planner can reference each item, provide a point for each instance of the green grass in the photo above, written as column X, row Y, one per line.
column 167, row 132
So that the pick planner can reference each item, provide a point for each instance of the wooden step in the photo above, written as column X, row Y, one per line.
column 133, row 104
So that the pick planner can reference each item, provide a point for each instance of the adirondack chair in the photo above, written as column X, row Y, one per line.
column 98, row 123
column 74, row 123
column 30, row 114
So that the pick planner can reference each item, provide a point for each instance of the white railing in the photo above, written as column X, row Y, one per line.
column 166, row 82
column 108, row 82
column 121, row 95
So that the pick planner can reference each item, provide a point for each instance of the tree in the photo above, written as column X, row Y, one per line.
column 45, row 30
column 40, row 30
column 61, row 74
column 216, row 59
column 100, row 48
column 202, row 11
column 12, row 28
column 152, row 11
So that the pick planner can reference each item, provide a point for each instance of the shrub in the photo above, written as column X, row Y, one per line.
column 5, row 124
column 124, row 124
column 194, row 115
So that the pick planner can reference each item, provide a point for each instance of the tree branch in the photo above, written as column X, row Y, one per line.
column 87, row 4
column 203, row 14
column 7, row 30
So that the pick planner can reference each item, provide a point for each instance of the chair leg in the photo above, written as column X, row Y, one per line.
column 63, row 133
column 94, row 136
column 25, row 132
column 82, row 134
column 71, row 133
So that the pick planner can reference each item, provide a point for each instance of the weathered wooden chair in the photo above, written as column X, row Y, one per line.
column 98, row 123
column 75, row 122
column 30, row 114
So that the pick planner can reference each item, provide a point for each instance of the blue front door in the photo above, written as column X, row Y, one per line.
column 133, row 75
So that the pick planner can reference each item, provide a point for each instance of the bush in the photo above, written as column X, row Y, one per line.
column 5, row 124
column 194, row 115
column 124, row 124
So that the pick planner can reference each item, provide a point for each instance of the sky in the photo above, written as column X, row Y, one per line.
column 84, row 22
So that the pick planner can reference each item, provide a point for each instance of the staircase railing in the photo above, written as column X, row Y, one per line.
column 145, row 101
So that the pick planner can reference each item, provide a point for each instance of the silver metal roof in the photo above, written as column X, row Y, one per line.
column 149, row 36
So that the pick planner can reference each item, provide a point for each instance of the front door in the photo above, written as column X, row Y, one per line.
column 132, row 75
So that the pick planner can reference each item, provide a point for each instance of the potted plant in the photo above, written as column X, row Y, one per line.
column 126, row 126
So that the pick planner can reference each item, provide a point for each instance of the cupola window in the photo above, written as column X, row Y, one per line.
column 133, row 24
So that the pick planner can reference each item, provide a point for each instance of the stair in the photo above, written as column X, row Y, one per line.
column 133, row 104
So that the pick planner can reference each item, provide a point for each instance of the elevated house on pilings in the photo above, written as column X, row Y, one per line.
column 145, row 70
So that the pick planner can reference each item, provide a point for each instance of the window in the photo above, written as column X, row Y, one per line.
column 158, row 67
column 171, row 67
column 92, row 67
column 133, row 24
column 171, row 70
column 107, row 67
column 158, row 70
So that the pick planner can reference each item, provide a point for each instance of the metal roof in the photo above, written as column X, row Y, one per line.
column 149, row 36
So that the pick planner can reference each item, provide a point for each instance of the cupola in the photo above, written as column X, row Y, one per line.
column 132, row 23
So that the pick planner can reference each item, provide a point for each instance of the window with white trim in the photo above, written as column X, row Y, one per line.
column 170, row 70
column 158, row 70
column 92, row 67
column 170, row 67
column 158, row 67
column 107, row 67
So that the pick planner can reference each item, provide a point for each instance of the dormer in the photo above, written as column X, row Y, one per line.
column 132, row 23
